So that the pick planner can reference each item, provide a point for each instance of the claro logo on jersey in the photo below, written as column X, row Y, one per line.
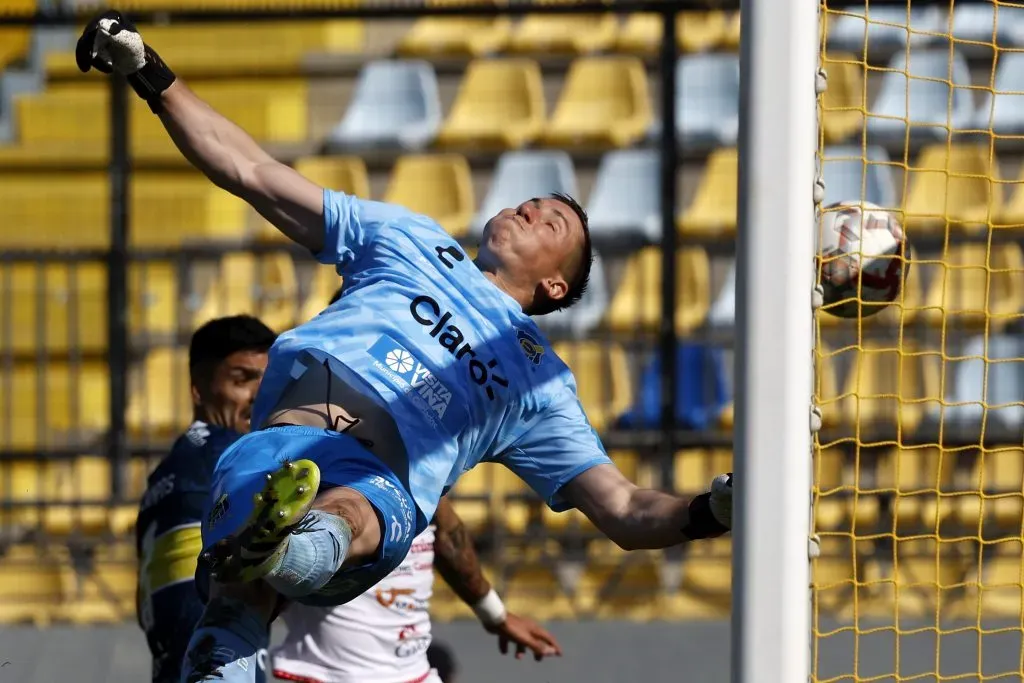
column 426, row 311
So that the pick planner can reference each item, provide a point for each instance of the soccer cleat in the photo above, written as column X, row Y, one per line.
column 278, row 510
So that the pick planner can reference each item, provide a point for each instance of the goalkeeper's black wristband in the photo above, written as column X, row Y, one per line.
column 702, row 522
column 150, row 81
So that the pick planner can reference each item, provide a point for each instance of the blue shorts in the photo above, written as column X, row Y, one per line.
column 241, row 472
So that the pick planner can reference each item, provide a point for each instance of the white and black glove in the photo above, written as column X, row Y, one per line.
column 711, row 512
column 110, row 43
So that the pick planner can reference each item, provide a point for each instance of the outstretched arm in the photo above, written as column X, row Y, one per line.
column 636, row 518
column 457, row 562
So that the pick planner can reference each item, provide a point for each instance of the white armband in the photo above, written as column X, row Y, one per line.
column 490, row 610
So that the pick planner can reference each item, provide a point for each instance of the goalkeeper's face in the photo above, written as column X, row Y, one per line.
column 537, row 245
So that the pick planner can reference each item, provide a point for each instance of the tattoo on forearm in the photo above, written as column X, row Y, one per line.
column 456, row 560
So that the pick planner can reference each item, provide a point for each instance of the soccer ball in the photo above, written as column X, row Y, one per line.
column 861, row 259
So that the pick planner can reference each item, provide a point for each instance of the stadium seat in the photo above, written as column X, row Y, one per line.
column 988, row 23
column 603, row 380
column 707, row 573
column 1012, row 214
column 159, row 394
column 997, row 482
column 500, row 104
column 325, row 282
column 1002, row 110
column 30, row 588
column 731, row 39
column 443, row 36
column 54, row 308
column 519, row 176
column 985, row 394
column 533, row 589
column 916, row 478
column 265, row 286
column 102, row 591
column 625, row 204
column 238, row 48
column 714, row 206
column 579, row 320
column 154, row 300
column 1001, row 593
column 695, row 31
column 576, row 34
column 843, row 104
column 436, row 185
column 833, row 490
column 23, row 487
column 975, row 285
column 629, row 592
column 927, row 98
column 15, row 41
column 707, row 100
column 876, row 29
column 69, row 123
column 952, row 187
column 489, row 494
column 825, row 393
column 889, row 387
column 637, row 300
column 853, row 173
column 694, row 468
column 701, row 391
column 833, row 573
column 395, row 104
column 78, row 497
column 604, row 101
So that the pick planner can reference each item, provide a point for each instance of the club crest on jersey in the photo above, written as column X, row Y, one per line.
column 530, row 346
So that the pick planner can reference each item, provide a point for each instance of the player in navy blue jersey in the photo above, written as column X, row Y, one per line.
column 428, row 364
column 227, row 358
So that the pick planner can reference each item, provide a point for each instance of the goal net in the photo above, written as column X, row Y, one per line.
column 918, row 488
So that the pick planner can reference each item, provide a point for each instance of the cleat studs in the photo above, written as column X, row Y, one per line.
column 258, row 498
column 288, row 465
column 301, row 490
column 282, row 514
column 303, row 473
column 270, row 477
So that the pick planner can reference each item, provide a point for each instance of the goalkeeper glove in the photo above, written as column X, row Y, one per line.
column 110, row 43
column 711, row 512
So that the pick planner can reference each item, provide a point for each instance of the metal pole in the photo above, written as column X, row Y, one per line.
column 117, row 280
column 669, row 161
column 775, row 249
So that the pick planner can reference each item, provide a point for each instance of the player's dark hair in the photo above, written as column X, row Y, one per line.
column 578, row 283
column 441, row 658
column 221, row 337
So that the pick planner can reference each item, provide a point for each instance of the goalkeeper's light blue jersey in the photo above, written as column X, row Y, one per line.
column 464, row 373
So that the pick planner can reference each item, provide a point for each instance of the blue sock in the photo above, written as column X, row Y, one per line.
column 312, row 557
column 226, row 644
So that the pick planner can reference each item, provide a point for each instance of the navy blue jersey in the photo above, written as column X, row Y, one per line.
column 168, row 543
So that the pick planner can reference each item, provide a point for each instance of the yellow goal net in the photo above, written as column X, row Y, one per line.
column 919, row 466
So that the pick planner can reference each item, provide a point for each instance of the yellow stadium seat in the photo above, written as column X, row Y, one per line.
column 707, row 574
column 490, row 494
column 998, row 477
column 159, row 394
column 533, row 589
column 78, row 494
column 238, row 48
column 973, row 284
column 471, row 498
column 833, row 573
column 826, row 385
column 1001, row 593
column 73, row 298
column 715, row 204
column 262, row 285
column 694, row 468
column 23, row 485
column 569, row 33
column 15, row 40
column 833, row 489
column 71, row 121
column 954, row 188
column 153, row 299
column 891, row 386
column 342, row 173
column 323, row 286
column 53, row 404
column 471, row 36
column 604, row 102
column 436, row 185
column 637, row 301
column 925, row 575
column 500, row 104
column 640, row 33
column 843, row 102
column 916, row 477
column 103, row 592
column 169, row 209
column 602, row 376
column 695, row 31
column 30, row 588
column 731, row 38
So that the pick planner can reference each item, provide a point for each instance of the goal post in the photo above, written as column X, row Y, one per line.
column 775, row 270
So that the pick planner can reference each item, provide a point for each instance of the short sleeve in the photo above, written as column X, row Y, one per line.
column 351, row 224
column 560, row 446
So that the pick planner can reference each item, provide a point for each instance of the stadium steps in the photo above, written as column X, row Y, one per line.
column 576, row 34
column 100, row 589
column 636, row 303
column 952, row 188
column 237, row 49
column 70, row 123
column 712, row 212
column 58, row 404
column 30, row 586
column 604, row 102
column 457, row 36
column 499, row 105
column 974, row 286
column 604, row 383
column 167, row 209
column 436, row 185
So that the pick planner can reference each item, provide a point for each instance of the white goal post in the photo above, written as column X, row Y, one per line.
column 774, row 353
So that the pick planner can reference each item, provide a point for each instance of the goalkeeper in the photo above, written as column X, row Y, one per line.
column 428, row 364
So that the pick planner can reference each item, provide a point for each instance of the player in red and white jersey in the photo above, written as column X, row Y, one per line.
column 383, row 635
